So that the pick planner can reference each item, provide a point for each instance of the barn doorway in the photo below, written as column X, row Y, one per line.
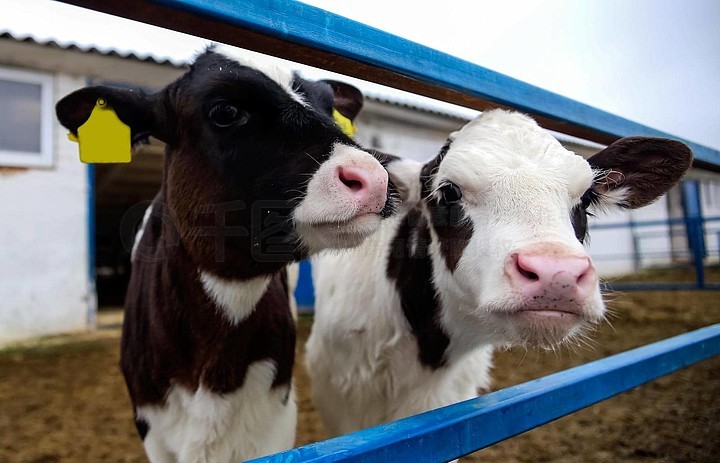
column 122, row 192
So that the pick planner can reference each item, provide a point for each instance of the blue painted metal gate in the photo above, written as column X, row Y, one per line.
column 302, row 33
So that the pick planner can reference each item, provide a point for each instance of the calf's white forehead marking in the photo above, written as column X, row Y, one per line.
column 501, row 146
column 282, row 76
column 236, row 299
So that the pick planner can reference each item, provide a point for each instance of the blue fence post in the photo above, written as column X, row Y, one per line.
column 92, row 301
column 305, row 292
column 694, row 225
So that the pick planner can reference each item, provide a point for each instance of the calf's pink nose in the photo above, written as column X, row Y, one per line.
column 552, row 275
column 367, row 188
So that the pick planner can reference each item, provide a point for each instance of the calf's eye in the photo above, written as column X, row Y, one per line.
column 451, row 193
column 589, row 197
column 225, row 114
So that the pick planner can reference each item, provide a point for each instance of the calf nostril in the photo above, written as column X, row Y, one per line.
column 587, row 276
column 524, row 270
column 350, row 179
column 354, row 185
column 527, row 274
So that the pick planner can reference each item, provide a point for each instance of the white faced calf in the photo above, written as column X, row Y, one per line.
column 256, row 175
column 486, row 251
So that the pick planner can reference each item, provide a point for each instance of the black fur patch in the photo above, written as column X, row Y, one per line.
column 453, row 228
column 410, row 267
column 142, row 427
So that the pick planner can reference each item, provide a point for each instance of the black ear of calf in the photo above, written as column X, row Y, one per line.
column 131, row 106
column 318, row 94
column 647, row 167
column 348, row 100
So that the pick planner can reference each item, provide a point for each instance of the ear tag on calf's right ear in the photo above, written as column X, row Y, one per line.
column 346, row 125
column 104, row 138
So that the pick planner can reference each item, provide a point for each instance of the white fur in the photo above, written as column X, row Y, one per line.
column 519, row 186
column 139, row 234
column 235, row 298
column 361, row 355
column 196, row 424
column 612, row 195
column 404, row 175
column 327, row 218
column 293, row 275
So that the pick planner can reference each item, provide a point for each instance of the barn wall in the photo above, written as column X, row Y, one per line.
column 612, row 249
column 710, row 190
column 655, row 241
column 44, row 283
column 404, row 132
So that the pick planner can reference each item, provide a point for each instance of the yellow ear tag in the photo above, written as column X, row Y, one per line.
column 104, row 138
column 345, row 124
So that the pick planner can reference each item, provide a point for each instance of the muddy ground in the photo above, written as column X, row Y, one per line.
column 63, row 399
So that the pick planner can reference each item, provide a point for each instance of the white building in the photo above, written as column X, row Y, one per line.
column 66, row 227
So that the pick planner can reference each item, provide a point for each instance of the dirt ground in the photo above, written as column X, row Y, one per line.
column 63, row 399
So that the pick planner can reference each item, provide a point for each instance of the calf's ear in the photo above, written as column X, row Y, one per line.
column 347, row 99
column 635, row 171
column 139, row 111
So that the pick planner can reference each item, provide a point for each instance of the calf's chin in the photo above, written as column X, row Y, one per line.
column 543, row 295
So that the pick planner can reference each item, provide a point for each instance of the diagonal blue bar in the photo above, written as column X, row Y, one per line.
column 298, row 23
column 459, row 429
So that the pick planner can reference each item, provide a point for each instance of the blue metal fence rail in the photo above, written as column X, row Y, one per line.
column 302, row 33
column 463, row 428
column 305, row 296
column 696, row 233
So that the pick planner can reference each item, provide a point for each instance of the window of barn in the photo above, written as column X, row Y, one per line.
column 26, row 117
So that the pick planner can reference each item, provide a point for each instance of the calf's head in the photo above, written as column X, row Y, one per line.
column 507, row 210
column 256, row 171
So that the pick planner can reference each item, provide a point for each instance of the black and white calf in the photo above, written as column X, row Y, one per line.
column 256, row 175
column 486, row 251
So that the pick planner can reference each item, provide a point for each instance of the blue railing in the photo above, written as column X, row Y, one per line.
column 695, row 255
column 697, row 235
column 292, row 30
column 306, row 34
column 463, row 428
